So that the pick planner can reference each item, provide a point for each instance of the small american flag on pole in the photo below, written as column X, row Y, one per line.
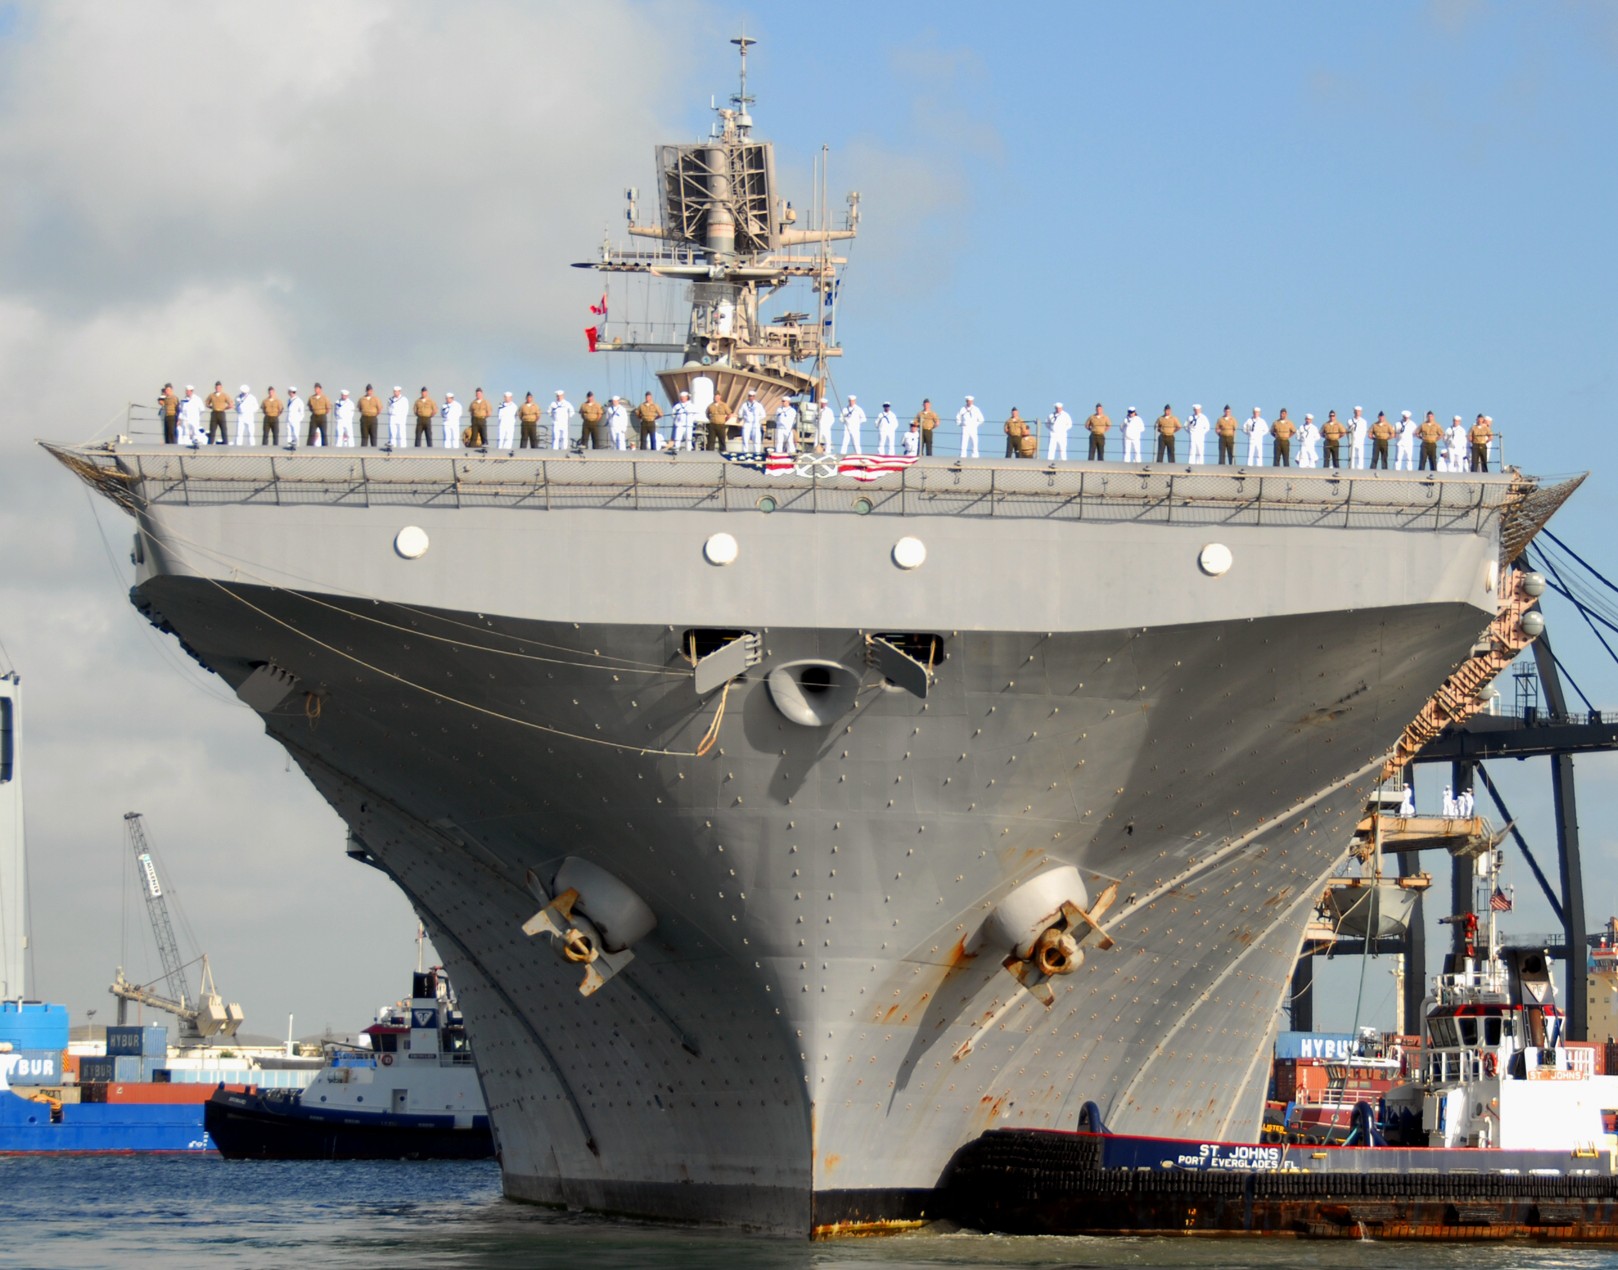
column 1500, row 902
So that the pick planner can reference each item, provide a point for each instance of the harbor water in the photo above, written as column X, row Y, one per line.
column 196, row 1211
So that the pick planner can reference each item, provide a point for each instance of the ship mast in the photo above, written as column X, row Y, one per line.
column 726, row 233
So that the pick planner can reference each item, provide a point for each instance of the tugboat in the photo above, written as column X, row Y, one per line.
column 1503, row 1129
column 415, row 1097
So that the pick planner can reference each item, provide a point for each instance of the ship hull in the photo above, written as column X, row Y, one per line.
column 249, row 1126
column 816, row 1023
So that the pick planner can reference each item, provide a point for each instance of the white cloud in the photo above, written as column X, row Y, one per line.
column 356, row 192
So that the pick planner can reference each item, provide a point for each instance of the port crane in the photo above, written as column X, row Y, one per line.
column 202, row 1017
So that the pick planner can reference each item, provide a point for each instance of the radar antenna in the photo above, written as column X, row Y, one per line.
column 728, row 235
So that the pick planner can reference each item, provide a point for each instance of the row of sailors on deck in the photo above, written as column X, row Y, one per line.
column 1453, row 449
column 334, row 423
column 1456, row 448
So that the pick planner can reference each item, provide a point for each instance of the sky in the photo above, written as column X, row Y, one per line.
column 1394, row 205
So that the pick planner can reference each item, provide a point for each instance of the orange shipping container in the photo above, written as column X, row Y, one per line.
column 151, row 1092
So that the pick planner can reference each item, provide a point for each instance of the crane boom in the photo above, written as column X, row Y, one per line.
column 157, row 908
column 201, row 1017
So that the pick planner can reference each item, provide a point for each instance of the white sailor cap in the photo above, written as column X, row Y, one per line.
column 398, row 388
column 684, row 393
column 344, row 393
column 190, row 388
column 290, row 388
column 1058, row 405
column 969, row 396
column 852, row 397
column 508, row 394
column 244, row 388
column 1457, row 418
column 1404, row 414
column 561, row 392
column 1131, row 410
column 1308, row 416
column 448, row 395
column 752, row 392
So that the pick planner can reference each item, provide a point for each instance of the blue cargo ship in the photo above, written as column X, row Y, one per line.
column 39, row 1111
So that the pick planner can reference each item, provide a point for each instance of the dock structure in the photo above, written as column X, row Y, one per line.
column 1541, row 726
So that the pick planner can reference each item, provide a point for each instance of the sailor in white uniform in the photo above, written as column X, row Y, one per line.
column 618, row 423
column 912, row 439
column 1407, row 807
column 970, row 419
column 1197, row 426
column 294, row 417
column 786, row 428
column 824, row 419
column 246, row 408
column 1454, row 459
column 450, row 413
column 1134, row 430
column 1357, row 428
column 1257, row 429
column 1309, row 443
column 685, row 417
column 853, row 421
column 506, row 419
column 1451, row 807
column 561, row 414
column 1404, row 458
column 1468, row 803
column 752, row 419
column 190, row 416
column 398, row 414
column 344, row 412
column 1060, row 424
column 887, row 430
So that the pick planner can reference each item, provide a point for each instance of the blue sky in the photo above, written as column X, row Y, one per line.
column 1400, row 206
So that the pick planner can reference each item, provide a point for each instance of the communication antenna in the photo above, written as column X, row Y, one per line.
column 740, row 99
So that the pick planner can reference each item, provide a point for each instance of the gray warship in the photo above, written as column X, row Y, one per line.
column 785, row 830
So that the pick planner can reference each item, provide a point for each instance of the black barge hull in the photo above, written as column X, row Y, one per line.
column 1017, row 1182
column 249, row 1126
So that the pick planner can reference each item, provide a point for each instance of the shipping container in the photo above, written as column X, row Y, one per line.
column 33, row 1067
column 149, row 1094
column 97, row 1071
column 150, row 1040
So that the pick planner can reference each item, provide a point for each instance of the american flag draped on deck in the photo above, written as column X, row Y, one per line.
column 862, row 467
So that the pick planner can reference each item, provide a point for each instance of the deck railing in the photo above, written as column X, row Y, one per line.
column 1102, row 492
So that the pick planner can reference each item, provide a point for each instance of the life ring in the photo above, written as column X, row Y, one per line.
column 387, row 1060
column 1489, row 1065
